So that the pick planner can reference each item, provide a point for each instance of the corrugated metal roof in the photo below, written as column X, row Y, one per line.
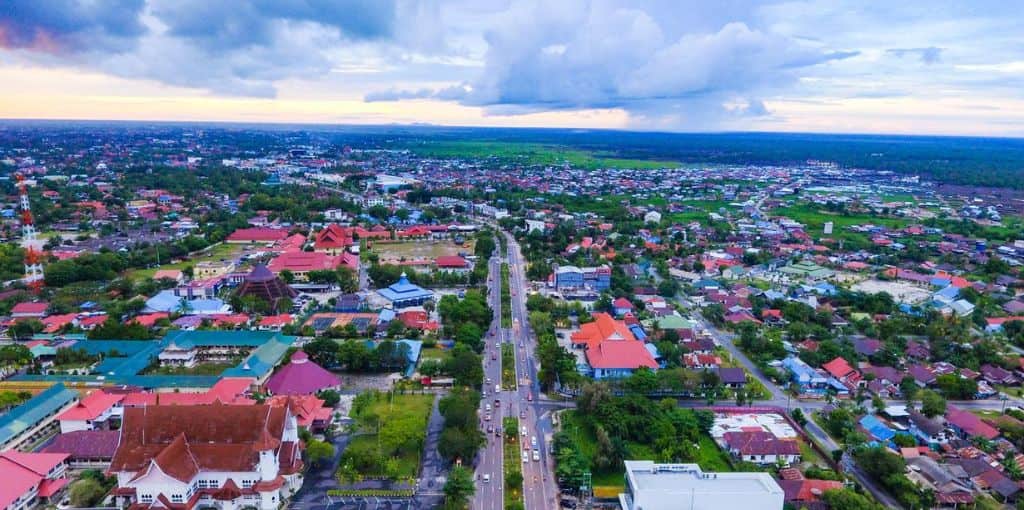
column 27, row 415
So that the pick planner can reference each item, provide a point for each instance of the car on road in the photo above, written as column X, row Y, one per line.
column 522, row 416
column 536, row 455
column 533, row 442
column 487, row 417
column 490, row 428
column 522, row 430
column 497, row 431
column 494, row 355
column 526, row 455
column 497, row 402
column 497, row 388
column 487, row 407
column 487, row 477
column 529, row 396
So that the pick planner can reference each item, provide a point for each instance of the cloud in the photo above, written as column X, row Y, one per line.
column 595, row 55
column 63, row 26
column 928, row 56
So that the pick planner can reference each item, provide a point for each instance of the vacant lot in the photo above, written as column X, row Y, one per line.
column 213, row 253
column 902, row 292
column 419, row 250
column 394, row 428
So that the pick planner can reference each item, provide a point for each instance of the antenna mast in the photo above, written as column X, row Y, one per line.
column 33, row 266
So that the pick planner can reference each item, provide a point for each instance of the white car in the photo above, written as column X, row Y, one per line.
column 526, row 456
column 522, row 431
column 487, row 478
column 487, row 407
column 536, row 455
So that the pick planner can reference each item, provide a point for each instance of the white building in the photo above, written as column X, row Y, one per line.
column 221, row 456
column 652, row 217
column 651, row 486
column 96, row 411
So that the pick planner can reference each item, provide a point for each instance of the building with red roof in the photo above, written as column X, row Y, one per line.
column 300, row 263
column 603, row 328
column 619, row 358
column 333, row 239
column 185, row 457
column 34, row 310
column 94, row 411
column 257, row 235
column 308, row 409
column 31, row 478
column 843, row 372
column 275, row 322
column 621, row 306
column 969, row 425
column 761, row 447
column 807, row 493
column 86, row 449
column 452, row 263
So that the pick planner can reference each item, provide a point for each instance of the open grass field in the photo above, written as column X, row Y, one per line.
column 419, row 250
column 369, row 453
column 814, row 220
column 213, row 253
column 535, row 154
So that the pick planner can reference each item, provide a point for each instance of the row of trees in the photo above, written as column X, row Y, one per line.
column 461, row 437
column 357, row 355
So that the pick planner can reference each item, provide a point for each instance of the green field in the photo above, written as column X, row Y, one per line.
column 534, row 154
column 392, row 431
column 814, row 220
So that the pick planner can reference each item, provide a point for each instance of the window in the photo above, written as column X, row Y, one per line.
column 176, row 498
column 146, row 498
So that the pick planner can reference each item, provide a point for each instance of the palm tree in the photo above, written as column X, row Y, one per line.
column 184, row 306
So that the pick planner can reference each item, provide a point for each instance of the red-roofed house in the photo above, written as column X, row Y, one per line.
column 35, row 310
column 603, row 328
column 333, row 239
column 452, row 263
column 149, row 320
column 93, row 412
column 843, row 372
column 761, row 447
column 807, row 493
column 308, row 409
column 257, row 235
column 26, row 479
column 621, row 306
column 300, row 263
column 969, row 425
column 619, row 358
column 275, row 322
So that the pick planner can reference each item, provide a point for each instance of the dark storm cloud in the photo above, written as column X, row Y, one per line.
column 227, row 25
column 66, row 26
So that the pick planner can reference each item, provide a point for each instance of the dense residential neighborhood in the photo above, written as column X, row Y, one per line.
column 331, row 321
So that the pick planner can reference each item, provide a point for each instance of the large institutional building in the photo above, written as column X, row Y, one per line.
column 221, row 456
column 652, row 486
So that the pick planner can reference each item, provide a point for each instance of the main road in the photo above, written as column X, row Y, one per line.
column 523, row 402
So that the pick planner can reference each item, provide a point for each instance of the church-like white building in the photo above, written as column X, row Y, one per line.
column 221, row 456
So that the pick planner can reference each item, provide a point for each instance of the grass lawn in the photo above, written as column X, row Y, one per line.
column 508, row 368
column 809, row 454
column 377, row 411
column 419, row 250
column 213, row 253
column 814, row 219
column 435, row 353
column 532, row 153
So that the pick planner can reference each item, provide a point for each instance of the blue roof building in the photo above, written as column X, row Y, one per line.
column 876, row 428
column 404, row 293
column 17, row 425
column 809, row 380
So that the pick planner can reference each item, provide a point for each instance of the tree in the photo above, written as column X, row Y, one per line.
column 932, row 404
column 86, row 492
column 25, row 328
column 798, row 416
column 322, row 351
column 330, row 397
column 957, row 388
column 459, row 443
column 318, row 451
column 459, row 487
column 287, row 276
column 909, row 389
column 846, row 499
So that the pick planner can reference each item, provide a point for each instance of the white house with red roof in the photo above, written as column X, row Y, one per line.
column 612, row 351
column 333, row 239
column 93, row 412
column 30, row 310
column 452, row 264
column 27, row 479
column 621, row 306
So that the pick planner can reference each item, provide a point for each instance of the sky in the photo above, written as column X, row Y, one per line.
column 911, row 67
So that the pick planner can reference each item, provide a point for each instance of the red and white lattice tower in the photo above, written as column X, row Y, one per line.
column 33, row 266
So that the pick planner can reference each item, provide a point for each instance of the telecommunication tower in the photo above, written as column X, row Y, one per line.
column 33, row 266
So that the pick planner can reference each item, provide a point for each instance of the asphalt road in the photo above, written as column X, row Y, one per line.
column 525, row 402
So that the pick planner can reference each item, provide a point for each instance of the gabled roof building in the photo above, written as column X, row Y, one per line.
column 185, row 457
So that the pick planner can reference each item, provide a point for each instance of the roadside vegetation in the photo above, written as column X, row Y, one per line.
column 390, row 430
column 512, row 445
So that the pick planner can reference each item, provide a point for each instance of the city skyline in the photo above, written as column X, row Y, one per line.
column 803, row 66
